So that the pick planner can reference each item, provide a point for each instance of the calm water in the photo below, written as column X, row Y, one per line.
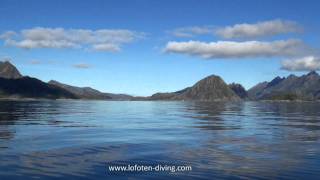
column 80, row 139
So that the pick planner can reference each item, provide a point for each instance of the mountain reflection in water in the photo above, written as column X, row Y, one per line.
column 79, row 139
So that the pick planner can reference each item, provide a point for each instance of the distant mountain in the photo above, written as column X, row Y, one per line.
column 305, row 87
column 120, row 97
column 9, row 71
column 255, row 91
column 211, row 88
column 27, row 87
column 239, row 90
column 90, row 93
column 165, row 96
column 81, row 92
column 14, row 85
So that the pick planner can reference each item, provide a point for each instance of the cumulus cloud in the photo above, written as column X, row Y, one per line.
column 192, row 31
column 82, row 66
column 106, row 47
column 260, row 29
column 244, row 30
column 232, row 49
column 308, row 63
column 110, row 40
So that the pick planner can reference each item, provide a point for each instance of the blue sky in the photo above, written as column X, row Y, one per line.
column 138, row 59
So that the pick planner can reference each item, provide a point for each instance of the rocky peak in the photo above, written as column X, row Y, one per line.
column 275, row 81
column 9, row 71
column 305, row 87
column 239, row 90
column 312, row 73
column 209, row 89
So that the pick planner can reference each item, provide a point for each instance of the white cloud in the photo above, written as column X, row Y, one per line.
column 31, row 44
column 244, row 30
column 7, row 35
column 110, row 40
column 82, row 66
column 307, row 63
column 192, row 31
column 106, row 47
column 260, row 29
column 232, row 49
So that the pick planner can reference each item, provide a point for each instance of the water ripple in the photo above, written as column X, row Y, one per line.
column 78, row 139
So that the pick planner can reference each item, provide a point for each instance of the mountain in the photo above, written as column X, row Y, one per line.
column 27, row 87
column 9, row 71
column 165, row 96
column 305, row 87
column 120, row 97
column 14, row 85
column 255, row 91
column 81, row 92
column 211, row 88
column 239, row 90
column 90, row 93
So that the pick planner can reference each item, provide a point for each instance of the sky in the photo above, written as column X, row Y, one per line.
column 141, row 47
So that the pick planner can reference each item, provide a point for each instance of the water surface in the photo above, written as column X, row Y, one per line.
column 80, row 139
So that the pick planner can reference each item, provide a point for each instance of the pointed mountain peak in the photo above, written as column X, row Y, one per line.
column 7, row 62
column 239, row 90
column 311, row 73
column 212, row 77
column 277, row 78
column 236, row 85
column 275, row 81
column 9, row 71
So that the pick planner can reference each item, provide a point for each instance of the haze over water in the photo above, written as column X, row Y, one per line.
column 79, row 139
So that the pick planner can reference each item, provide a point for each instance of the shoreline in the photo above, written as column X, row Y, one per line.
column 68, row 99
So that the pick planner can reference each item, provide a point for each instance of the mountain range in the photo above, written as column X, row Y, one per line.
column 305, row 87
column 90, row 93
column 14, row 85
column 211, row 88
